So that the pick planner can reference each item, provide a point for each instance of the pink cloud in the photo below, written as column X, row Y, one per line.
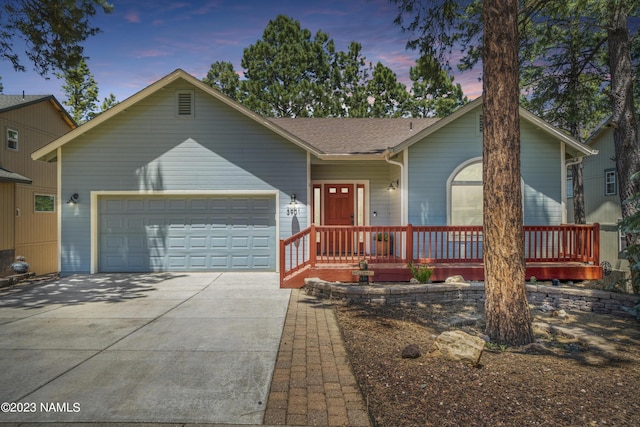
column 132, row 17
column 152, row 53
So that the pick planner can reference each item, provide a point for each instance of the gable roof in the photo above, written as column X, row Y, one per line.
column 352, row 136
column 524, row 114
column 49, row 151
column 12, row 102
column 602, row 127
column 325, row 138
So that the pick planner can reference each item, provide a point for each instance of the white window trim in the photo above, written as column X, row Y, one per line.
column 455, row 172
column 17, row 139
column 606, row 182
column 44, row 195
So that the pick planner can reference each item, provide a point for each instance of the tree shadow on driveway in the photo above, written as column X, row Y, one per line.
column 81, row 289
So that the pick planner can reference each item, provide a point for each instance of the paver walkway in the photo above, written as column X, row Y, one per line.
column 313, row 383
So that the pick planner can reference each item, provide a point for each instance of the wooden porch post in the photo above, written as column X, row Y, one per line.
column 409, row 249
column 596, row 244
column 313, row 249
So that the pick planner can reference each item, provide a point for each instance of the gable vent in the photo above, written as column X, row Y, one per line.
column 185, row 104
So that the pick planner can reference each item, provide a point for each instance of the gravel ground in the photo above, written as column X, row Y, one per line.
column 584, row 369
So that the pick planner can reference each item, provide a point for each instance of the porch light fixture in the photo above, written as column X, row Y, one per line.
column 293, row 199
column 73, row 199
column 391, row 187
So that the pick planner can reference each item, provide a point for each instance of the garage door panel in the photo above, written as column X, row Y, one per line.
column 156, row 205
column 148, row 233
column 261, row 261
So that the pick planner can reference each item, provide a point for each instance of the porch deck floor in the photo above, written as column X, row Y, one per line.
column 399, row 272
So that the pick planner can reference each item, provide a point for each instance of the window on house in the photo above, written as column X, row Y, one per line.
column 466, row 195
column 12, row 139
column 44, row 203
column 569, row 184
column 185, row 105
column 610, row 182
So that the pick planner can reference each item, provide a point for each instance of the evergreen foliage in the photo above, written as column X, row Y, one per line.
column 292, row 73
column 82, row 94
column 53, row 32
column 81, row 90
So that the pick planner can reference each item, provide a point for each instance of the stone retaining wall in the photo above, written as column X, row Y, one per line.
column 472, row 293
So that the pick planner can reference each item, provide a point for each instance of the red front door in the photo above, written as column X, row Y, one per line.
column 339, row 210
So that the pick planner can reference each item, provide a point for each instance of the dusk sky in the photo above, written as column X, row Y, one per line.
column 144, row 40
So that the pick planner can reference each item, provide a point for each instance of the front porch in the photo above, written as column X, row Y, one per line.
column 565, row 252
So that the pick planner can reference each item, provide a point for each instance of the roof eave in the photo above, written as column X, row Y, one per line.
column 346, row 157
column 45, row 153
column 568, row 140
column 437, row 125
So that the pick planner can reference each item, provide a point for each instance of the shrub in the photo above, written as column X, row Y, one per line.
column 422, row 273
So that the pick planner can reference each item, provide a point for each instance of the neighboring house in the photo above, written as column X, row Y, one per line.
column 601, row 197
column 28, row 189
column 179, row 177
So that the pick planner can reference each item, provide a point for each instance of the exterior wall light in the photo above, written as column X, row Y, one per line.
column 391, row 187
column 73, row 199
column 292, row 209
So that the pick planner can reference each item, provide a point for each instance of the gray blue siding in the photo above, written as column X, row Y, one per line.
column 432, row 161
column 148, row 148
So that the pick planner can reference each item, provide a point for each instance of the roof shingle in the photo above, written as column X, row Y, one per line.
column 353, row 135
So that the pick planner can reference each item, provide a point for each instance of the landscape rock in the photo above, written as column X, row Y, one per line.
column 458, row 345
column 546, row 307
column 414, row 281
column 412, row 351
column 455, row 279
column 559, row 313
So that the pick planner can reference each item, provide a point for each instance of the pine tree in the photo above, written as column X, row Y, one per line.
column 82, row 92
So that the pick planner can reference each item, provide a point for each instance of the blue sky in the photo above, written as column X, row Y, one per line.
column 144, row 40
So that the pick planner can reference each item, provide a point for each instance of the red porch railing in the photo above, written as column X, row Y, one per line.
column 323, row 245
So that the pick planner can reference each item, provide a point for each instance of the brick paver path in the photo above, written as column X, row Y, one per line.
column 313, row 384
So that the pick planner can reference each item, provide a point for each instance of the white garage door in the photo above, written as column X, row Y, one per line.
column 183, row 233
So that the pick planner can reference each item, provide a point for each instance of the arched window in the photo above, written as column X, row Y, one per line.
column 465, row 194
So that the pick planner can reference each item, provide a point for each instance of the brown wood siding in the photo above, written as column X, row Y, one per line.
column 37, row 125
column 36, row 232
column 7, row 197
column 32, row 235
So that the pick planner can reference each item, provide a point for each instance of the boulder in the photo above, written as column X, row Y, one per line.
column 412, row 351
column 458, row 345
column 455, row 279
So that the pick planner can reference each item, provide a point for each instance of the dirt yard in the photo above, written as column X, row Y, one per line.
column 584, row 369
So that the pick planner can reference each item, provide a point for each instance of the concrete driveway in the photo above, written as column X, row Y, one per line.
column 157, row 348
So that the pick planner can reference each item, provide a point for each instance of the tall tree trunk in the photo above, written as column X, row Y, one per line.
column 579, row 215
column 625, row 133
column 508, row 319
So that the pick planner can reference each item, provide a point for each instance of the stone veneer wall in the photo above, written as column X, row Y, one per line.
column 472, row 293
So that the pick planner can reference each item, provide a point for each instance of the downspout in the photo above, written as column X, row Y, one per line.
column 403, row 185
